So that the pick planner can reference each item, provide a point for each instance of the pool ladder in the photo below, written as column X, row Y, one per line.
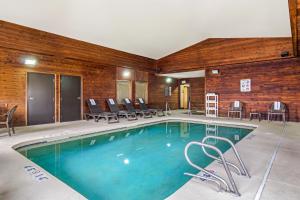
column 214, row 178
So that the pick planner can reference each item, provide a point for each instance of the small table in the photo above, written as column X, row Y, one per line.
column 263, row 115
column 258, row 115
column 255, row 115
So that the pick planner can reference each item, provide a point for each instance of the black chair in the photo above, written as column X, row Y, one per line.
column 114, row 108
column 143, row 106
column 96, row 113
column 130, row 108
column 9, row 120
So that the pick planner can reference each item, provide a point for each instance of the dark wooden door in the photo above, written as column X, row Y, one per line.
column 40, row 98
column 70, row 102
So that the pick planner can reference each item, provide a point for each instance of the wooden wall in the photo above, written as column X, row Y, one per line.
column 273, row 79
column 98, row 81
column 157, row 98
column 156, row 86
column 135, row 75
column 276, row 80
column 59, row 55
column 217, row 51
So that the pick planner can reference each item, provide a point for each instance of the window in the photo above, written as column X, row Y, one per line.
column 123, row 90
column 141, row 90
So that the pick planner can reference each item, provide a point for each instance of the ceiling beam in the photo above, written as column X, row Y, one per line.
column 294, row 26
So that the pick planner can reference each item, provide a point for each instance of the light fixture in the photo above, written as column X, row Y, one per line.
column 215, row 71
column 126, row 73
column 30, row 61
column 168, row 80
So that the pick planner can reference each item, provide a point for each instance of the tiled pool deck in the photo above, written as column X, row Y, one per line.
column 270, row 141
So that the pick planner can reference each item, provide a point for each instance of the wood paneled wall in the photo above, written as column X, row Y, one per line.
column 98, row 81
column 294, row 5
column 156, row 87
column 134, row 75
column 98, row 66
column 215, row 52
column 157, row 98
column 57, row 55
column 276, row 80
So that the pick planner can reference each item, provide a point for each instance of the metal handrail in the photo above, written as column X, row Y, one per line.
column 244, row 170
column 218, row 180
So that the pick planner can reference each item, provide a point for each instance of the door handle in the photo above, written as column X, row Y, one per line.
column 31, row 98
column 79, row 98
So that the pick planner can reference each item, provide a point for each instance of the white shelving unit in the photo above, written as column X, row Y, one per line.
column 211, row 105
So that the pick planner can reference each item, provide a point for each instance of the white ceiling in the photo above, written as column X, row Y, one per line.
column 181, row 75
column 151, row 28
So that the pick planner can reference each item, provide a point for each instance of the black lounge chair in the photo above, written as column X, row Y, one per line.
column 143, row 106
column 129, row 106
column 9, row 119
column 114, row 108
column 96, row 113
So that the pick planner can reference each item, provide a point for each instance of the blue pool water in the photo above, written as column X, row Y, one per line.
column 141, row 163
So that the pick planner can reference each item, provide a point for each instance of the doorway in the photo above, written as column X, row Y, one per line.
column 40, row 98
column 70, row 98
column 184, row 96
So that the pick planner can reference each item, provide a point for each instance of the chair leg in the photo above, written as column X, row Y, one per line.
column 13, row 129
column 8, row 130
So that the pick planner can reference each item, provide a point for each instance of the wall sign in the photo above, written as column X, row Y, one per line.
column 245, row 85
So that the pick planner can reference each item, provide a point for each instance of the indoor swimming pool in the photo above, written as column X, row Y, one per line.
column 139, row 163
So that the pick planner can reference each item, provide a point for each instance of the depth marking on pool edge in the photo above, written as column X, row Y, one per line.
column 263, row 183
column 35, row 173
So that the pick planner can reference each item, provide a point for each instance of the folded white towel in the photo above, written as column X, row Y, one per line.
column 127, row 100
column 141, row 100
column 93, row 102
column 276, row 105
column 111, row 101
